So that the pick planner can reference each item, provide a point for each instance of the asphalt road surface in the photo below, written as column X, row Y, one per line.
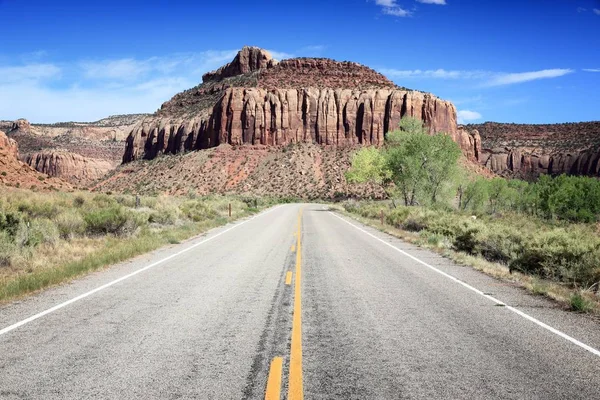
column 297, row 302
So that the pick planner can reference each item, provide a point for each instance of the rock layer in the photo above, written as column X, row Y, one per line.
column 13, row 172
column 283, row 116
column 8, row 146
column 255, row 100
column 72, row 167
column 526, row 151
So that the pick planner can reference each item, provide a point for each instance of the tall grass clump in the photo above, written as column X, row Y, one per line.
column 46, row 238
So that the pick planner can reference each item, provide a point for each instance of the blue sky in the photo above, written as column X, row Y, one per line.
column 528, row 61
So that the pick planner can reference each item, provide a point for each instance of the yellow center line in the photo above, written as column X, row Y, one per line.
column 295, row 389
column 274, row 382
column 288, row 278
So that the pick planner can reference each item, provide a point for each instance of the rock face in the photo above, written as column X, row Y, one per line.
column 256, row 101
column 71, row 167
column 526, row 151
column 248, row 60
column 15, row 173
column 8, row 146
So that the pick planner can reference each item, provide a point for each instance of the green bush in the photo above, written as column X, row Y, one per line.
column 7, row 249
column 110, row 220
column 70, row 224
column 9, row 222
column 198, row 210
column 36, row 232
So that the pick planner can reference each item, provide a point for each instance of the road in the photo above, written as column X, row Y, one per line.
column 296, row 302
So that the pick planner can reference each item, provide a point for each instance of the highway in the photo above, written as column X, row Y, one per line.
column 297, row 302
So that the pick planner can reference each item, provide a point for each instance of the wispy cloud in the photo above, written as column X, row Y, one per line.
column 520, row 77
column 439, row 2
column 467, row 115
column 591, row 69
column 581, row 9
column 597, row 11
column 28, row 72
column 433, row 73
column 391, row 7
column 87, row 90
column 281, row 55
column 487, row 78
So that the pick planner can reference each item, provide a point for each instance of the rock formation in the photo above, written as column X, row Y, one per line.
column 75, row 151
column 15, row 173
column 255, row 100
column 526, row 151
column 71, row 167
column 8, row 146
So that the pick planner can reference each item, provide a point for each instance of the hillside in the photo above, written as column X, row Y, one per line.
column 77, row 152
column 528, row 150
column 15, row 173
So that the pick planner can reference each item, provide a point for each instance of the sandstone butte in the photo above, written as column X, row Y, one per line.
column 13, row 172
column 526, row 151
column 256, row 100
column 72, row 167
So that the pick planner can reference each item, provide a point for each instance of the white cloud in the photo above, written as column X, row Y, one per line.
column 597, row 11
column 280, row 55
column 520, row 77
column 439, row 2
column 125, row 69
column 390, row 7
column 88, row 90
column 489, row 78
column 581, row 9
column 433, row 73
column 30, row 72
column 467, row 115
column 591, row 69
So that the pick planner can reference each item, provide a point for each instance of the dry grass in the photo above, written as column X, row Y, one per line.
column 37, row 249
column 573, row 298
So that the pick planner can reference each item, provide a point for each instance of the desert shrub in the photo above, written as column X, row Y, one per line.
column 109, row 220
column 78, row 201
column 70, row 224
column 39, row 209
column 104, row 200
column 7, row 249
column 561, row 255
column 9, row 222
column 36, row 232
column 164, row 214
column 197, row 210
column 466, row 237
column 397, row 216
column 499, row 243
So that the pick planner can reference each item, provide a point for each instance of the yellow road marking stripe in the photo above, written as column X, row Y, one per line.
column 295, row 389
column 273, row 391
column 288, row 278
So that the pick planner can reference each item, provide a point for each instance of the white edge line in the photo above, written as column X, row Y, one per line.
column 516, row 311
column 91, row 292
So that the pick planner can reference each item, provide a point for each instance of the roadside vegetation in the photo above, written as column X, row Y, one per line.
column 543, row 233
column 47, row 238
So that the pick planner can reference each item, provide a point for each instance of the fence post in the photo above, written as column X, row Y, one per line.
column 230, row 209
column 381, row 217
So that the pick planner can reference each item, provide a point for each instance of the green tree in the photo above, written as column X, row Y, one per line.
column 419, row 166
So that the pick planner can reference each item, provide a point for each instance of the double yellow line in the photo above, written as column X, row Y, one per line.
column 295, row 388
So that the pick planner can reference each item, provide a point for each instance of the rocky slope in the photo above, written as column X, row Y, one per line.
column 95, row 148
column 301, row 170
column 71, row 167
column 526, row 151
column 255, row 100
column 13, row 172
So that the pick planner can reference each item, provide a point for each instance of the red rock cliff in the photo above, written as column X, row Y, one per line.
column 255, row 100
column 71, row 167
